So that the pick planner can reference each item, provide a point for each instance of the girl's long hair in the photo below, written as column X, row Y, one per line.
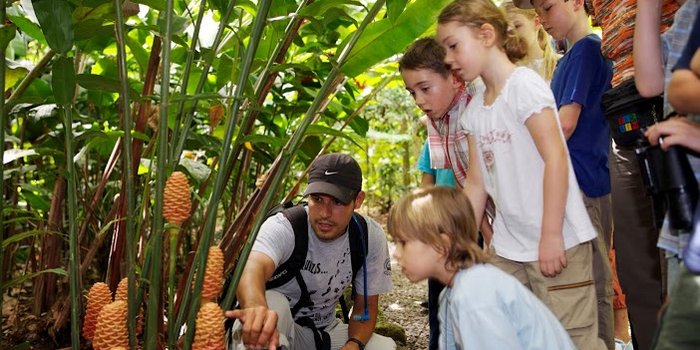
column 475, row 13
column 426, row 213
column 549, row 56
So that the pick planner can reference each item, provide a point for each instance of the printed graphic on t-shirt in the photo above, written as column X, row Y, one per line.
column 486, row 142
column 330, row 282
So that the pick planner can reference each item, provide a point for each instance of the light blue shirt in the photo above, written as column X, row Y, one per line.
column 443, row 177
column 488, row 309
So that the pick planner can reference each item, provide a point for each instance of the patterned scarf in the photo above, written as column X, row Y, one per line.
column 447, row 141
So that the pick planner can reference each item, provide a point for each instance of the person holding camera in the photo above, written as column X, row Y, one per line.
column 654, row 57
column 678, row 327
column 635, row 232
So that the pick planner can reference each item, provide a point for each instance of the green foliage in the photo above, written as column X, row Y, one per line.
column 393, row 146
column 387, row 37
column 69, row 58
column 63, row 81
column 55, row 19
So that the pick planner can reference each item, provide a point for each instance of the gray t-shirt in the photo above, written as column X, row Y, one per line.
column 327, row 269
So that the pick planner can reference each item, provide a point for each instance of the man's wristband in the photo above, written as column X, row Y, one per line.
column 356, row 341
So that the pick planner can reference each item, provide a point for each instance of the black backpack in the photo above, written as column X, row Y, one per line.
column 286, row 271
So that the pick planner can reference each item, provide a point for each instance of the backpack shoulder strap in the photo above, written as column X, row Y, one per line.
column 290, row 268
column 358, row 243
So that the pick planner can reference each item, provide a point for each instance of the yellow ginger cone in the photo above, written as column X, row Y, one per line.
column 213, row 275
column 176, row 199
column 111, row 327
column 209, row 329
column 122, row 294
column 98, row 297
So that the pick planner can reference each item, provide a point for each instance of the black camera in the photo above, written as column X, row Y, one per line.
column 667, row 174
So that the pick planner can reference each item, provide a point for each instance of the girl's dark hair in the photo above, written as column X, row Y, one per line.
column 425, row 53
column 427, row 213
column 475, row 13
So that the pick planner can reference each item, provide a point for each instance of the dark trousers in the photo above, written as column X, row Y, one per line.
column 434, row 289
column 635, row 237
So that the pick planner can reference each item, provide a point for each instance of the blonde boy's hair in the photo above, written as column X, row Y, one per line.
column 426, row 213
column 549, row 56
column 475, row 13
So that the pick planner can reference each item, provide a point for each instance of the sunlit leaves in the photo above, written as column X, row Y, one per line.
column 385, row 38
column 394, row 8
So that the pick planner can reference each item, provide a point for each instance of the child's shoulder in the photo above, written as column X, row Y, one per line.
column 487, row 276
column 592, row 40
column 525, row 79
column 589, row 44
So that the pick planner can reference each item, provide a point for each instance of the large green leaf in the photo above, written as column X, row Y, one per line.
column 28, row 27
column 91, row 28
column 102, row 83
column 318, row 8
column 154, row 4
column 63, row 81
column 382, row 39
column 394, row 8
column 139, row 52
column 56, row 22
column 34, row 199
column 360, row 126
column 264, row 140
column 95, row 11
column 14, row 72
column 7, row 33
column 326, row 131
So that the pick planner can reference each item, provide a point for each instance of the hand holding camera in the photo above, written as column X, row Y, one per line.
column 684, row 212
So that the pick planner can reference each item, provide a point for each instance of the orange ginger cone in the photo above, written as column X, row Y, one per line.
column 176, row 199
column 209, row 329
column 213, row 275
column 111, row 328
column 98, row 297
column 122, row 294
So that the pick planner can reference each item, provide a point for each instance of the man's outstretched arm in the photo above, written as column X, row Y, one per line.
column 259, row 322
column 362, row 330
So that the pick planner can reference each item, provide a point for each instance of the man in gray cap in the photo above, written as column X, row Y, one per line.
column 304, row 258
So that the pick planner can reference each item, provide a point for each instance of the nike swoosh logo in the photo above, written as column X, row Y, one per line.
column 330, row 172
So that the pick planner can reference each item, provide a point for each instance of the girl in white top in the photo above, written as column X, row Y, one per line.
column 518, row 156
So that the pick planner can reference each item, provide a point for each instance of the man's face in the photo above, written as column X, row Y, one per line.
column 557, row 16
column 432, row 91
column 330, row 217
